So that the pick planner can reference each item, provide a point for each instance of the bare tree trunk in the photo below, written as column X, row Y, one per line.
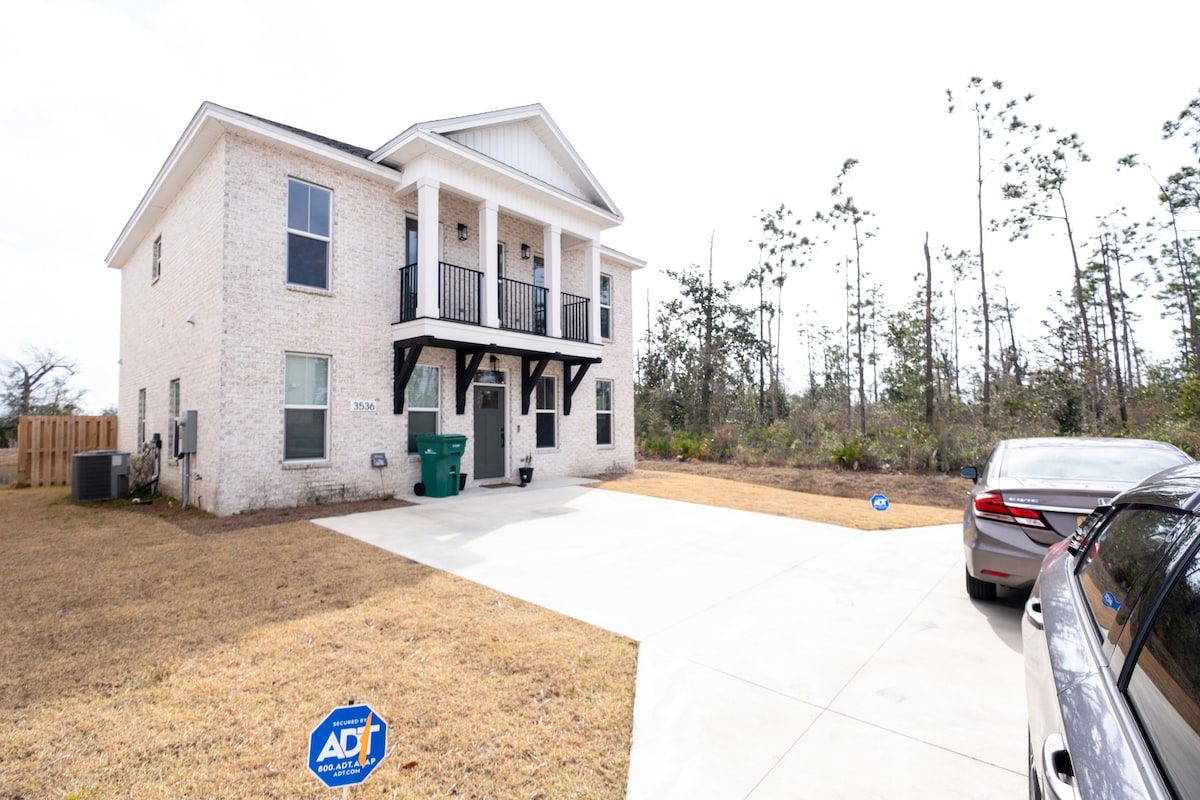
column 862, row 389
column 708, row 369
column 928, row 334
column 1089, row 364
column 1116, row 337
column 983, row 295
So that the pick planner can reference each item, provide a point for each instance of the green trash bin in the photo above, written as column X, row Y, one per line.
column 441, row 460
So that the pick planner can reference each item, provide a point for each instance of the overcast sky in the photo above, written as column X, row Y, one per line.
column 694, row 117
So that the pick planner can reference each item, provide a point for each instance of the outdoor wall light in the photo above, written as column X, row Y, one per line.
column 493, row 360
column 524, row 251
column 462, row 232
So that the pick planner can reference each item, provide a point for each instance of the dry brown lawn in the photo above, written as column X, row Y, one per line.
column 140, row 660
column 151, row 652
column 836, row 497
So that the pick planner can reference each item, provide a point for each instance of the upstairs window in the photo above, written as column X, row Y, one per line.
column 156, row 264
column 605, row 306
column 309, row 214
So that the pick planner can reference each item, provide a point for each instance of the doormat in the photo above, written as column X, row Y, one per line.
column 496, row 485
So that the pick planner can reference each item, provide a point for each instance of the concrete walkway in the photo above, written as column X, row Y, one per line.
column 778, row 658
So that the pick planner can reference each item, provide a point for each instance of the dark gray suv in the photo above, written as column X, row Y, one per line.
column 1032, row 493
column 1111, row 637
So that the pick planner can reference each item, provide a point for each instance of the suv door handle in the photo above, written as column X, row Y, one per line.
column 1056, row 762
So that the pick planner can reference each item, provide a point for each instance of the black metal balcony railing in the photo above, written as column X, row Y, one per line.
column 522, row 305
column 408, row 293
column 575, row 317
column 460, row 293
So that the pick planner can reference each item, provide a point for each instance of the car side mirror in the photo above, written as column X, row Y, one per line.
column 970, row 473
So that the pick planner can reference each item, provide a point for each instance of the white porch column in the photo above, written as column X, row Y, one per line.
column 428, row 247
column 553, row 251
column 591, row 274
column 489, row 227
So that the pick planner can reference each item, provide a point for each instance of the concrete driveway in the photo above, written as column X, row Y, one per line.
column 778, row 658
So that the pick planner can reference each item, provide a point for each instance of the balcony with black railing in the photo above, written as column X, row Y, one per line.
column 521, row 306
column 575, row 317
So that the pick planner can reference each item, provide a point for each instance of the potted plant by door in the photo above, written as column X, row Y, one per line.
column 526, row 472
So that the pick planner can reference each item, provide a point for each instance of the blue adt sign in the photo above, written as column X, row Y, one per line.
column 347, row 746
column 879, row 502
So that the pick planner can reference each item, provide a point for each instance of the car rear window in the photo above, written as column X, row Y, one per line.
column 1122, row 560
column 1118, row 463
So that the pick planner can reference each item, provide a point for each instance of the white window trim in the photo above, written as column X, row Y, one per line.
column 328, row 287
column 303, row 462
column 612, row 396
column 437, row 410
column 552, row 411
column 607, row 305
column 174, row 404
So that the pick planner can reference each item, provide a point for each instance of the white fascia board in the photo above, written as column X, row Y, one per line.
column 445, row 332
column 451, row 124
column 210, row 122
column 621, row 258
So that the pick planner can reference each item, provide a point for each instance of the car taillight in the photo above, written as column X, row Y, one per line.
column 990, row 505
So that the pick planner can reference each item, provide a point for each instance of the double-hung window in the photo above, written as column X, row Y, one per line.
column 422, row 404
column 605, row 306
column 546, row 413
column 309, row 215
column 306, row 408
column 604, row 412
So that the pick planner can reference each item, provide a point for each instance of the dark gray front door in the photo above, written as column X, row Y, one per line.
column 489, row 432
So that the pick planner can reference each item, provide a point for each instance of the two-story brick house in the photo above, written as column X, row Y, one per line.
column 316, row 302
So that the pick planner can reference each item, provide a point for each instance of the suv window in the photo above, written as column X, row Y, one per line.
column 1164, row 685
column 1121, row 561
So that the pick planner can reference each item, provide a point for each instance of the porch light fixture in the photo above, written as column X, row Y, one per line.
column 493, row 360
column 462, row 232
column 524, row 251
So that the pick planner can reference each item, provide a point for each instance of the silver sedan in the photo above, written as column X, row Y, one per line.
column 1033, row 492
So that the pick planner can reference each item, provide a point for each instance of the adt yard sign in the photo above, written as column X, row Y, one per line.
column 347, row 746
column 880, row 502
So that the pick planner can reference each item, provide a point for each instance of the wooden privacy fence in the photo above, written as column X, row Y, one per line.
column 45, row 446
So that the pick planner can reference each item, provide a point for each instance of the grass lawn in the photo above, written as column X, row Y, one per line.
column 141, row 660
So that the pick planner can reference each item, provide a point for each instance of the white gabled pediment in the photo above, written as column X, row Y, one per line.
column 523, row 139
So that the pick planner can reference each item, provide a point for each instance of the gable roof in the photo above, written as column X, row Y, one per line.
column 522, row 142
